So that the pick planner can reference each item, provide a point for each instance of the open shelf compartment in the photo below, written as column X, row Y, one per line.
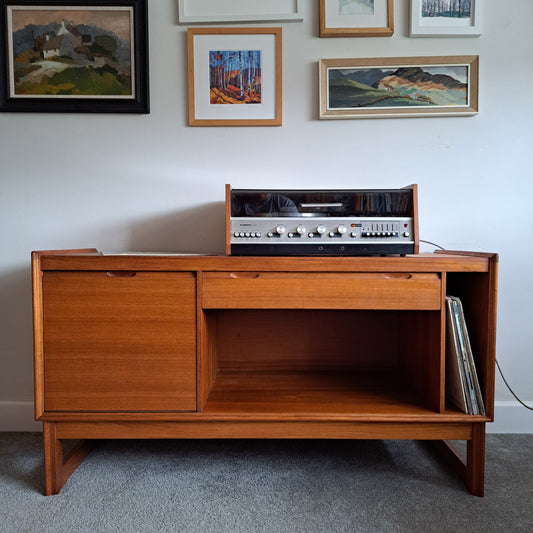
column 318, row 363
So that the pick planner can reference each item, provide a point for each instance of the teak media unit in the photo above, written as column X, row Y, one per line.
column 152, row 346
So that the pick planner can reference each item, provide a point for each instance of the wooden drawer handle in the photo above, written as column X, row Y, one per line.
column 121, row 274
column 244, row 275
column 398, row 275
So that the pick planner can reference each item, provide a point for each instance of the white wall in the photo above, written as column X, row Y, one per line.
column 151, row 183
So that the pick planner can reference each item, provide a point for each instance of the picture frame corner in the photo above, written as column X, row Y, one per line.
column 127, row 91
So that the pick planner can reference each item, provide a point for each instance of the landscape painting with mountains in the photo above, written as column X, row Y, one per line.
column 391, row 87
column 71, row 52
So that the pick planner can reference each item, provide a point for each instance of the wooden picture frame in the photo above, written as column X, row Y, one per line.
column 231, row 11
column 398, row 87
column 356, row 18
column 235, row 76
column 85, row 57
column 450, row 22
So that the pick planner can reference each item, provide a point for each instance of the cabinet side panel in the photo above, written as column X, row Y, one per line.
column 478, row 294
column 38, row 355
column 119, row 341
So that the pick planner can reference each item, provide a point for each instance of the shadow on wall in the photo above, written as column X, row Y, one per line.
column 198, row 230
column 16, row 335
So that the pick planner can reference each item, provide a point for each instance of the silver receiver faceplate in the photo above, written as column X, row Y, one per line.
column 321, row 230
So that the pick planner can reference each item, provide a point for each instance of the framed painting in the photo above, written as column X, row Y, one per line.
column 221, row 11
column 234, row 76
column 398, row 87
column 445, row 18
column 83, row 57
column 356, row 18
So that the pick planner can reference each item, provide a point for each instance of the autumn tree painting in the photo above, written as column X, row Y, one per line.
column 235, row 76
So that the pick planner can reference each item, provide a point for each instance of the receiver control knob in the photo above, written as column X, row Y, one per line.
column 342, row 229
column 406, row 234
column 321, row 229
column 280, row 230
column 300, row 230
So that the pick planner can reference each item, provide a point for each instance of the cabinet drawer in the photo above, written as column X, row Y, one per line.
column 279, row 290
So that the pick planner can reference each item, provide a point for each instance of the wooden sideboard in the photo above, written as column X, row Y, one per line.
column 185, row 346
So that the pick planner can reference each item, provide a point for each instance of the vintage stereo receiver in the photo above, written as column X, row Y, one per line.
column 321, row 222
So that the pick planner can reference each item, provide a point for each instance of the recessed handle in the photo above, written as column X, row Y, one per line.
column 121, row 274
column 398, row 275
column 244, row 275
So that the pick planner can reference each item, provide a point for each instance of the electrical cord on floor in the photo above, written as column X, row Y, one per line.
column 497, row 364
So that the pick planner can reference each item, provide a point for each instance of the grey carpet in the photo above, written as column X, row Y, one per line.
column 265, row 486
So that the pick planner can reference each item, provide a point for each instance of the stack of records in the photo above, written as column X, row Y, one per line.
column 462, row 384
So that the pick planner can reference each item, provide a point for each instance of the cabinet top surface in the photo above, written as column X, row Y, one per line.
column 95, row 260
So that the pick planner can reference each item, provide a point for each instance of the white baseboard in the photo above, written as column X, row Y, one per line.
column 510, row 417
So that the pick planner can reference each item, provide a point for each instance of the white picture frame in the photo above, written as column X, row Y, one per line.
column 445, row 26
column 239, row 11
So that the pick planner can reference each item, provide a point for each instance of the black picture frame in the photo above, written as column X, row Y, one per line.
column 136, row 102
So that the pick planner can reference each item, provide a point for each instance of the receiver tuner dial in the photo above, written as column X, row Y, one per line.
column 342, row 229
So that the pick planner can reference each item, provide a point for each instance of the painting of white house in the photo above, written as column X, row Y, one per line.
column 70, row 53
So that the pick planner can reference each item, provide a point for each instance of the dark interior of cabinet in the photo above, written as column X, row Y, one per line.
column 322, row 361
column 473, row 290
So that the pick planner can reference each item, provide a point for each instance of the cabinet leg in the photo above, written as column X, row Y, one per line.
column 471, row 470
column 53, row 459
column 56, row 468
column 475, row 461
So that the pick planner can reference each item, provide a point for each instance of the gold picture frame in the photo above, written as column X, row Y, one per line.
column 398, row 87
column 235, row 76
column 356, row 18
